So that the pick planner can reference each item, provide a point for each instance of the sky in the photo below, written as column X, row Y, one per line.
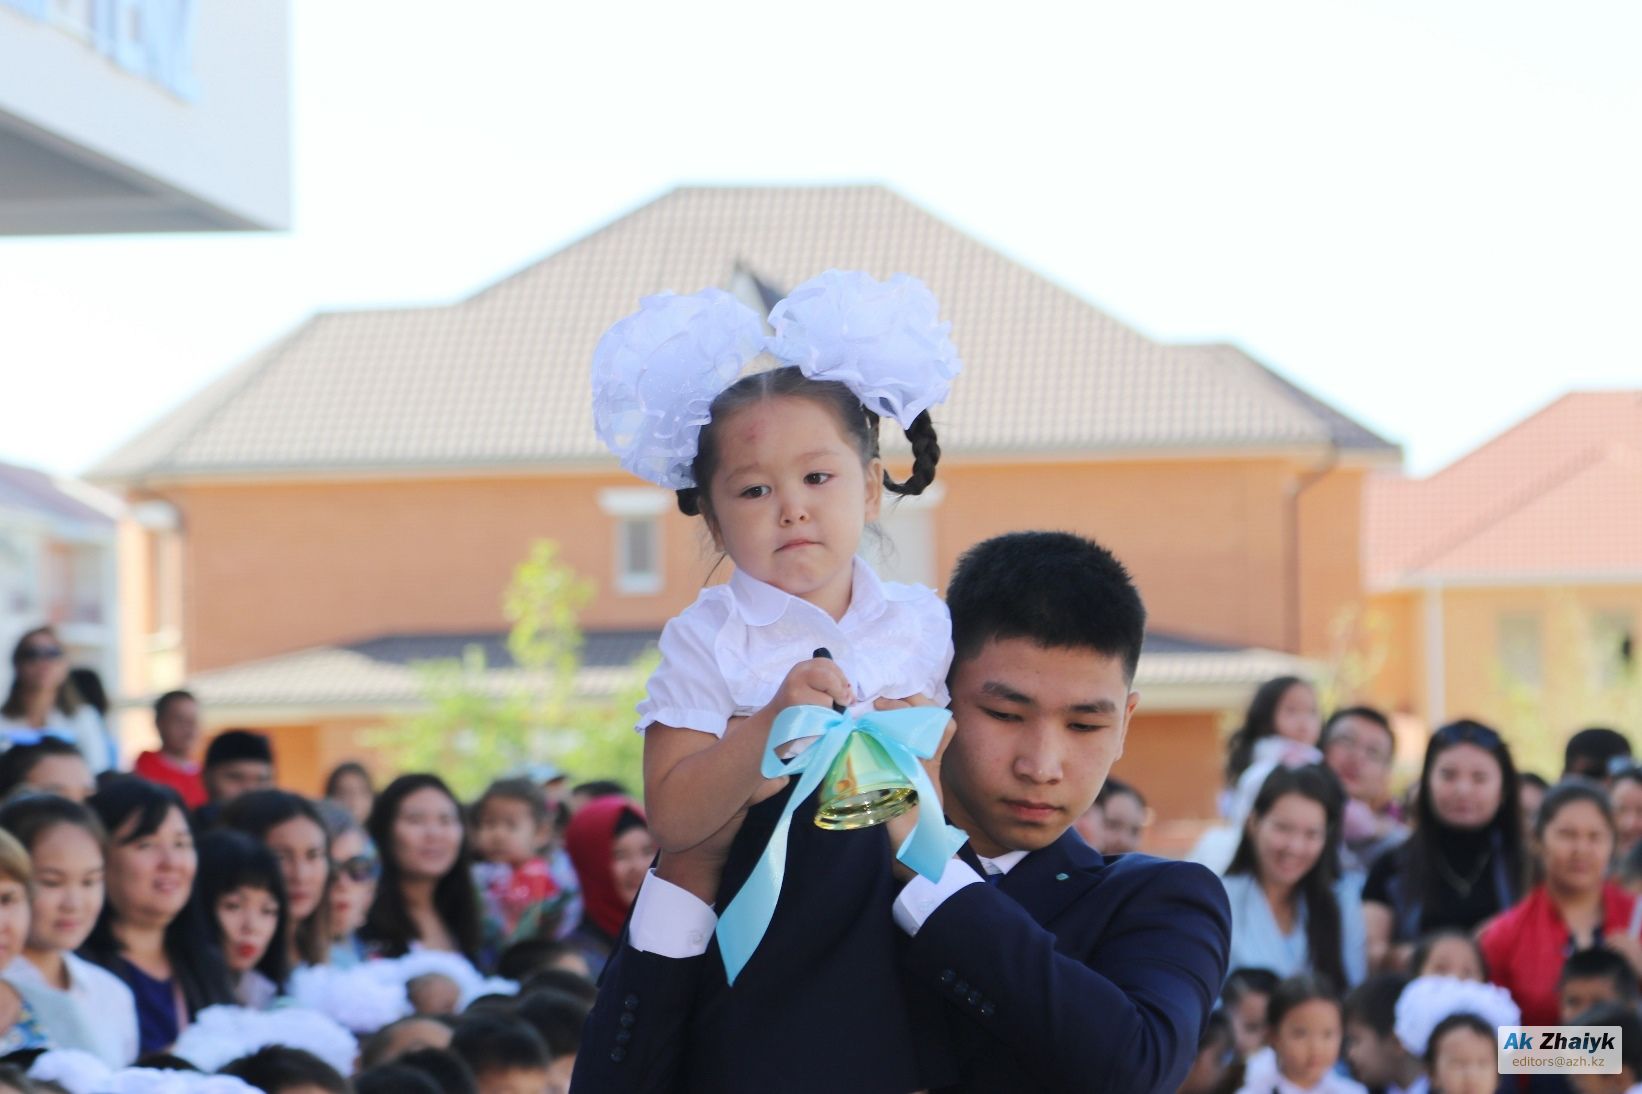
column 1425, row 212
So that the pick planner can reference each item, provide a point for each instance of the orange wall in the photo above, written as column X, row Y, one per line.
column 272, row 567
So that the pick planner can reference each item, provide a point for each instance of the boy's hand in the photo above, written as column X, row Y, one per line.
column 901, row 827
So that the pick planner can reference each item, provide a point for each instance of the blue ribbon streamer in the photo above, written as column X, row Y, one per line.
column 907, row 735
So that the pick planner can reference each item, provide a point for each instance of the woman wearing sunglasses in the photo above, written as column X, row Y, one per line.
column 1464, row 861
column 356, row 868
column 42, row 702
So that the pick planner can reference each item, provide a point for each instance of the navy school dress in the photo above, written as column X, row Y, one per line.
column 823, row 1004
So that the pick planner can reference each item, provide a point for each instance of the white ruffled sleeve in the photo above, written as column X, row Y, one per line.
column 688, row 690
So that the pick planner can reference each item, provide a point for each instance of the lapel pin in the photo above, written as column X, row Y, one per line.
column 1060, row 877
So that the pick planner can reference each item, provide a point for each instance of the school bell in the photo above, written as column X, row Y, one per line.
column 862, row 787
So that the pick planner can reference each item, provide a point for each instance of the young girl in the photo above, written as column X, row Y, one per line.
column 511, row 827
column 1450, row 1024
column 81, row 1005
column 243, row 891
column 783, row 466
column 1449, row 952
column 1305, row 1023
column 291, row 827
column 20, row 1024
column 1245, row 999
column 1463, row 1056
column 52, row 765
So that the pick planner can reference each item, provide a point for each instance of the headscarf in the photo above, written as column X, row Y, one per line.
column 590, row 840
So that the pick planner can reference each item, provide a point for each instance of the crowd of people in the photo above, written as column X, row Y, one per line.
column 1378, row 939
column 132, row 903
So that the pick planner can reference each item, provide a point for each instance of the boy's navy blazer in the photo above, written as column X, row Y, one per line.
column 1075, row 973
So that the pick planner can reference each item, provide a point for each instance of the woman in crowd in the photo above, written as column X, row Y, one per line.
column 609, row 844
column 350, row 787
column 355, row 870
column 426, row 895
column 52, row 765
column 1359, row 747
column 81, row 1005
column 1574, row 908
column 1290, row 911
column 1464, row 861
column 242, row 888
column 151, row 933
column 42, row 700
column 1625, row 791
column 290, row 826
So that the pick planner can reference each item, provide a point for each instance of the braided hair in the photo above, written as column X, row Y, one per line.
column 858, row 423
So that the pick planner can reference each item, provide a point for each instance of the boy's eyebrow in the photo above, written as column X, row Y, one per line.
column 1009, row 694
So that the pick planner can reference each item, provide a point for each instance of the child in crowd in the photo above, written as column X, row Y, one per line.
column 1449, row 952
column 51, row 765
column 1463, row 1056
column 1244, row 999
column 1377, row 1058
column 177, row 720
column 1215, row 1069
column 1630, row 1051
column 82, row 1006
column 512, row 826
column 1304, row 1025
column 277, row 1069
column 504, row 1053
column 243, row 892
column 783, row 466
column 1591, row 977
column 20, row 1025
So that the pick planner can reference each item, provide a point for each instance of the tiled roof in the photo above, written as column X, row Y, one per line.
column 500, row 379
column 1556, row 496
column 381, row 672
column 23, row 489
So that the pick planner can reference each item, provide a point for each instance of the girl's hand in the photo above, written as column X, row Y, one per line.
column 902, row 704
column 818, row 682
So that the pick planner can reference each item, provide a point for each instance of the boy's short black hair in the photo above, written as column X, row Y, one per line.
column 234, row 745
column 564, row 980
column 523, row 791
column 1589, row 751
column 1374, row 1002
column 1630, row 1031
column 1056, row 589
column 558, row 1017
column 1115, row 787
column 168, row 698
column 600, row 788
column 395, row 1079
column 276, row 1067
column 1246, row 981
column 525, row 958
column 488, row 1041
column 449, row 1072
column 1599, row 963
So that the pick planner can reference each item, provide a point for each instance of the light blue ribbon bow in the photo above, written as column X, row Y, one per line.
column 907, row 736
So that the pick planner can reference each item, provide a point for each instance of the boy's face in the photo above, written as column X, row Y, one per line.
column 1038, row 730
column 507, row 832
column 226, row 781
column 513, row 1080
column 1249, row 1023
column 1373, row 1058
column 1579, row 994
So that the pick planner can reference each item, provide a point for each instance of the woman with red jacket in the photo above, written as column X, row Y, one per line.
column 1574, row 908
column 609, row 844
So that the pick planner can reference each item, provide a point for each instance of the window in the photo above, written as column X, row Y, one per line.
column 1519, row 649
column 639, row 559
column 1613, row 648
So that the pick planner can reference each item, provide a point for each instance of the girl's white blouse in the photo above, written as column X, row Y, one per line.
column 726, row 655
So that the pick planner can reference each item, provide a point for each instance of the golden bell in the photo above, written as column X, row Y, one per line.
column 862, row 788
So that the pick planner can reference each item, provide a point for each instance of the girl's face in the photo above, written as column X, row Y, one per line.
column 150, row 877
column 68, row 887
column 1307, row 1041
column 14, row 918
column 1627, row 812
column 354, row 885
column 1248, row 1019
column 1578, row 846
column 353, row 793
column 66, row 776
column 427, row 835
column 790, row 498
column 507, row 831
column 1455, row 957
column 304, row 863
column 1466, row 785
column 630, row 858
column 1464, row 1062
column 1297, row 717
column 248, row 917
column 1289, row 839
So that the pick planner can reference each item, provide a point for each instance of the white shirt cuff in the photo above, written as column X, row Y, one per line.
column 669, row 921
column 920, row 897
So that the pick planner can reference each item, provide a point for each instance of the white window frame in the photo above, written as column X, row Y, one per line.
column 636, row 506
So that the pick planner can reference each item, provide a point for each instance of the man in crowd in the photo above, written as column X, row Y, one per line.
column 237, row 761
column 1057, row 969
column 177, row 718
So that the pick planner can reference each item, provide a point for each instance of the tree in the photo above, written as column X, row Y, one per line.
column 481, row 721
